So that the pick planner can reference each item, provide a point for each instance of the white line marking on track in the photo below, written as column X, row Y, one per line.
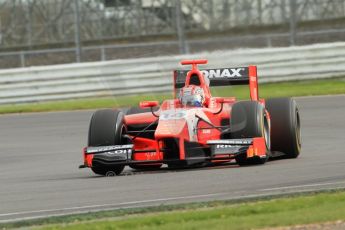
column 64, row 214
column 145, row 203
column 111, row 205
column 302, row 186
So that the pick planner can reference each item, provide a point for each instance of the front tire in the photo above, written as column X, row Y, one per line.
column 249, row 119
column 105, row 171
column 106, row 128
column 286, row 126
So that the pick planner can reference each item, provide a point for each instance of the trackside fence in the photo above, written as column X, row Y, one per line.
column 151, row 75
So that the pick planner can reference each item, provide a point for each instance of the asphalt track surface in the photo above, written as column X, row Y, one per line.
column 40, row 154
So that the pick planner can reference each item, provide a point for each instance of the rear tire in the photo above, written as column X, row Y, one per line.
column 285, row 126
column 248, row 119
column 106, row 128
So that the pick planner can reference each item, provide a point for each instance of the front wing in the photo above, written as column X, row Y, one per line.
column 225, row 149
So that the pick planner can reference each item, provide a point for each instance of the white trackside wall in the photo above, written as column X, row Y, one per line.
column 151, row 75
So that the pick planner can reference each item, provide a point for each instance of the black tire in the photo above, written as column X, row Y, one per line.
column 248, row 119
column 285, row 126
column 106, row 128
column 108, row 171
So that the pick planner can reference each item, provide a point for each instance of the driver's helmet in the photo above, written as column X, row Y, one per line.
column 192, row 95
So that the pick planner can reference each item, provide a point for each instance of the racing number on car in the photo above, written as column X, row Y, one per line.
column 172, row 115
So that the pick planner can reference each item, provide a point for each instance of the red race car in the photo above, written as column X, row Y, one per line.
column 194, row 128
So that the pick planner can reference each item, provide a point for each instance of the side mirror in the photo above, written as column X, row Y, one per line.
column 220, row 100
column 225, row 100
column 148, row 104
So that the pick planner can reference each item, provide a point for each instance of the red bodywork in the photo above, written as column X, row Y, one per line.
column 182, row 128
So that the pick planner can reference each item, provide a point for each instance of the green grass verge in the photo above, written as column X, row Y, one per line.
column 285, row 89
column 301, row 209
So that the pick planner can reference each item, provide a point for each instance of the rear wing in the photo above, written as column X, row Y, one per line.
column 223, row 77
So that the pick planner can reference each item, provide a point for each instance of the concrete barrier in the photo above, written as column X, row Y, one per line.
column 146, row 75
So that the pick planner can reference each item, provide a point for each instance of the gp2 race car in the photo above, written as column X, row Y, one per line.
column 213, row 130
